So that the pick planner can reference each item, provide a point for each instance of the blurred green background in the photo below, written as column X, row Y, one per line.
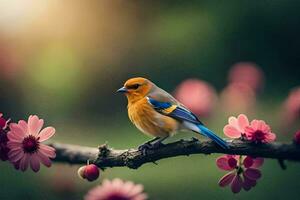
column 64, row 60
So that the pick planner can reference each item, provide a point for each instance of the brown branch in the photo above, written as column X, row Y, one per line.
column 132, row 158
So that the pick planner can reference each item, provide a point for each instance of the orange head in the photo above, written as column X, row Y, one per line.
column 136, row 89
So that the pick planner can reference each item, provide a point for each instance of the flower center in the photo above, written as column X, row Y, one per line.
column 239, row 170
column 30, row 144
column 117, row 197
column 259, row 135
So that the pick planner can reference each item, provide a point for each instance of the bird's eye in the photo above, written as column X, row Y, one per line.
column 134, row 87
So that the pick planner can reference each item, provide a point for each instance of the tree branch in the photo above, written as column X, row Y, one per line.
column 132, row 158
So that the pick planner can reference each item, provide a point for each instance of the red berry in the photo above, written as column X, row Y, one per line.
column 91, row 172
column 297, row 137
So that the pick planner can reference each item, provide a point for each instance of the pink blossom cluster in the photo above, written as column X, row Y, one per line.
column 244, row 171
column 21, row 143
column 256, row 131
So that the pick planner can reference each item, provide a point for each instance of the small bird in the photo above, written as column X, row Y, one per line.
column 158, row 114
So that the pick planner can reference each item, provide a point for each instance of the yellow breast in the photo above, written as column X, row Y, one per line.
column 149, row 121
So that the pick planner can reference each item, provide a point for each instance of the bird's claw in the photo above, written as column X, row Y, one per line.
column 194, row 139
column 146, row 145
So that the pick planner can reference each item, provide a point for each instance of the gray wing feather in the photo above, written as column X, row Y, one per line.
column 163, row 96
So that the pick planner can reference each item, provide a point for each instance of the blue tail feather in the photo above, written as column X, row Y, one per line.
column 205, row 131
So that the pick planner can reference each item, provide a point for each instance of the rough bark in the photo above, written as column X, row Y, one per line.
column 104, row 156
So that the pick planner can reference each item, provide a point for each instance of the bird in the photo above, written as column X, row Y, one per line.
column 158, row 114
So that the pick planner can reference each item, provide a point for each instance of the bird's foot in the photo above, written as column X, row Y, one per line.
column 150, row 146
column 144, row 146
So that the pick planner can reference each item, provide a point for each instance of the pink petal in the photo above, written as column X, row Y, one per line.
column 35, row 125
column 16, row 130
column 248, row 183
column 141, row 196
column 233, row 121
column 14, row 152
column 261, row 124
column 258, row 124
column 248, row 161
column 226, row 179
column 14, row 138
column 237, row 183
column 266, row 128
column 47, row 151
column 46, row 133
column 231, row 131
column 270, row 137
column 232, row 162
column 23, row 125
column 257, row 162
column 222, row 163
column 252, row 174
column 254, row 124
column 128, row 186
column 242, row 122
column 44, row 159
column 249, row 131
column 24, row 162
column 35, row 163
column 135, row 189
column 15, row 156
column 14, row 145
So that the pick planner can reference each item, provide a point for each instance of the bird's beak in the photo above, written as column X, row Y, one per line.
column 122, row 90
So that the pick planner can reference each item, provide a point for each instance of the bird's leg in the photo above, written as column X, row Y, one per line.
column 153, row 140
column 158, row 143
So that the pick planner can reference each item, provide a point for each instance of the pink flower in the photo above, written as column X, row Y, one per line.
column 197, row 95
column 243, row 171
column 247, row 73
column 3, row 138
column 259, row 131
column 238, row 97
column 116, row 190
column 236, row 126
column 291, row 107
column 25, row 144
column 256, row 131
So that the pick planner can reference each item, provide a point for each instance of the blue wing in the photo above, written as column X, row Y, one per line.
column 174, row 111
column 182, row 114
